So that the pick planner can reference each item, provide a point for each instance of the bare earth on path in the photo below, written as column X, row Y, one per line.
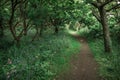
column 83, row 66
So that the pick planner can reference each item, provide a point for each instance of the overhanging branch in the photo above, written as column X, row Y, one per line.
column 107, row 2
column 114, row 7
column 96, row 4
column 96, row 16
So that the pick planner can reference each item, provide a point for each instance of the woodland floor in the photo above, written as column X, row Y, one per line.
column 82, row 66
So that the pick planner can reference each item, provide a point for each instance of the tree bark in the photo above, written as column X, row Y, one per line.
column 1, row 29
column 41, row 30
column 11, row 22
column 23, row 15
column 56, row 29
column 104, row 22
column 12, row 29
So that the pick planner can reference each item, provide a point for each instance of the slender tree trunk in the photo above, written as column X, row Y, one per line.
column 11, row 23
column 41, row 30
column 56, row 23
column 104, row 22
column 1, row 29
column 25, row 27
column 56, row 29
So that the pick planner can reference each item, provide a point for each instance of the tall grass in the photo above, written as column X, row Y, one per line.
column 38, row 60
column 109, row 62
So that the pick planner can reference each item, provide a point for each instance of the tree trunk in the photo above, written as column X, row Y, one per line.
column 11, row 23
column 23, row 15
column 1, row 29
column 41, row 30
column 56, row 29
column 25, row 27
column 104, row 22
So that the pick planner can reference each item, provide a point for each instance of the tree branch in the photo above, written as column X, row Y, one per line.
column 96, row 16
column 95, row 4
column 106, row 2
column 114, row 7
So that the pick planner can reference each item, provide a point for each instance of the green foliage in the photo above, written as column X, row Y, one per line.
column 45, row 57
column 109, row 62
column 39, row 60
column 114, row 28
column 92, row 32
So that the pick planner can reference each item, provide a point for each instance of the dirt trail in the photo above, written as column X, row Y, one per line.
column 83, row 65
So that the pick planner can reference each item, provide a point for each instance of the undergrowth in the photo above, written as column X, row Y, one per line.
column 109, row 65
column 109, row 62
column 39, row 60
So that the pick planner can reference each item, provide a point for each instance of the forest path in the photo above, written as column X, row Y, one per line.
column 82, row 66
